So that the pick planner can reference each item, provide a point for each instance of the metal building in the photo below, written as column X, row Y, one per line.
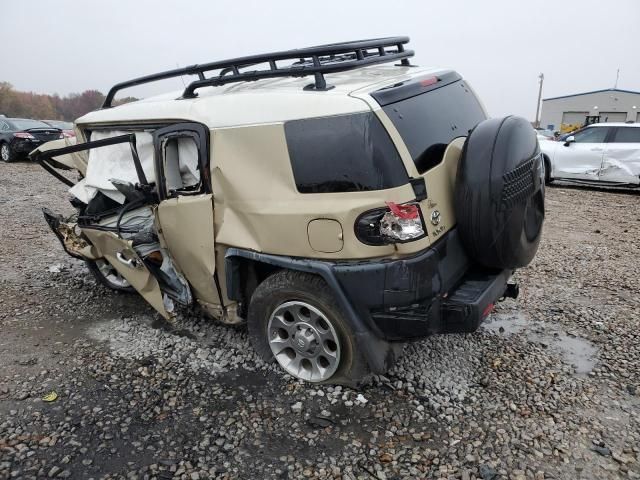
column 569, row 112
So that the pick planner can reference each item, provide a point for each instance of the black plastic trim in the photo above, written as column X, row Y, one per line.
column 419, row 186
column 437, row 290
column 375, row 350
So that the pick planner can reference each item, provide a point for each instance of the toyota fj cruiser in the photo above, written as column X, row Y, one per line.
column 338, row 206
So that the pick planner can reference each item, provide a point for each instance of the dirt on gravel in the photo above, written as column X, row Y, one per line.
column 549, row 387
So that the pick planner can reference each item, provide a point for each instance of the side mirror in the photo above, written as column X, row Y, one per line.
column 569, row 140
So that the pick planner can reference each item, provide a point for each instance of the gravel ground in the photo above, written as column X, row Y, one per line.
column 548, row 388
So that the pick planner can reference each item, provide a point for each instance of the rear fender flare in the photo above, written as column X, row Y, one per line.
column 377, row 352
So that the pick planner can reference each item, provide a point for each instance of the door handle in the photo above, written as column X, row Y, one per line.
column 129, row 262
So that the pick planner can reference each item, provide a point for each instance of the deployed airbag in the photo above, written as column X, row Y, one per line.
column 114, row 162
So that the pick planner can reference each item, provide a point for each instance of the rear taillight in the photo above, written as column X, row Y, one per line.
column 397, row 223
column 23, row 135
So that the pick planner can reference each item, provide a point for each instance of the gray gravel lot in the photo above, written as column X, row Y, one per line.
column 549, row 388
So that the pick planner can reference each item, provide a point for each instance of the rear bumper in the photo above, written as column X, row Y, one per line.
column 25, row 146
column 461, row 311
column 437, row 291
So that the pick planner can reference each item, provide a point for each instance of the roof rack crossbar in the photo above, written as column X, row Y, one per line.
column 316, row 61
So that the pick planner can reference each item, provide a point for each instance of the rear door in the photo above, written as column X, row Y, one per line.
column 621, row 160
column 581, row 159
column 185, row 212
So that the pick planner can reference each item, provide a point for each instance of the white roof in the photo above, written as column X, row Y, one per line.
column 615, row 124
column 262, row 101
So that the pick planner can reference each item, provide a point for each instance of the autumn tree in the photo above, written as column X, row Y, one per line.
column 14, row 103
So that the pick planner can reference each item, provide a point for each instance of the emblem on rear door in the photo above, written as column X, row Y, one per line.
column 435, row 217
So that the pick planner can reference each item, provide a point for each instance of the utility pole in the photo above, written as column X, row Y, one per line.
column 615, row 85
column 537, row 122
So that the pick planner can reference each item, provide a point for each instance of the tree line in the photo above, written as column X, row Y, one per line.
column 17, row 104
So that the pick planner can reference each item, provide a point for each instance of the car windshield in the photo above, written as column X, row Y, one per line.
column 25, row 124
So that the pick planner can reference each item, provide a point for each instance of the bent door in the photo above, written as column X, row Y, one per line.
column 123, row 257
column 581, row 159
column 185, row 212
column 621, row 161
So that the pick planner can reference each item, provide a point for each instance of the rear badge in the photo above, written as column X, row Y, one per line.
column 435, row 217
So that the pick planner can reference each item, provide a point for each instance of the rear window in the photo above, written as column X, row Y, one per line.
column 627, row 135
column 345, row 153
column 25, row 124
column 428, row 122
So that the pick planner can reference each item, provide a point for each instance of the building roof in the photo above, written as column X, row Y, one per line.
column 615, row 124
column 589, row 93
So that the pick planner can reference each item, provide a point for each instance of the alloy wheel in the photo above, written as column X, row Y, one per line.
column 111, row 275
column 303, row 341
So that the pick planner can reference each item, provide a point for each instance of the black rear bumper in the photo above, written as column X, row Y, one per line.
column 25, row 146
column 436, row 291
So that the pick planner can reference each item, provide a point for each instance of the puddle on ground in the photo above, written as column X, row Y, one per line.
column 576, row 351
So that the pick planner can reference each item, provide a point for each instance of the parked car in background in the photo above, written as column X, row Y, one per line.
column 603, row 153
column 66, row 127
column 19, row 136
column 544, row 134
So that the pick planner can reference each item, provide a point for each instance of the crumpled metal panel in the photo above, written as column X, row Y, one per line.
column 621, row 163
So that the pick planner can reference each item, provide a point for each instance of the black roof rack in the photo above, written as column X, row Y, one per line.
column 317, row 61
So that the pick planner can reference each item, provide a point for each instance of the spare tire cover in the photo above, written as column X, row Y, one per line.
column 499, row 196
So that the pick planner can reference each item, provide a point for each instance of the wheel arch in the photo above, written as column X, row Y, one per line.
column 547, row 165
column 377, row 352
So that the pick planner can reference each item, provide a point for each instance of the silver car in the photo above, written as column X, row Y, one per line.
column 602, row 153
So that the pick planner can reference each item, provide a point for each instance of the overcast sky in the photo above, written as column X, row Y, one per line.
column 500, row 46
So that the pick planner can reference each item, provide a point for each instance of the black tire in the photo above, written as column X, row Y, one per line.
column 499, row 197
column 104, row 280
column 290, row 286
column 6, row 153
column 547, row 171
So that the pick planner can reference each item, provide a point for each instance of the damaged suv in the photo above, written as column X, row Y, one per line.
column 338, row 206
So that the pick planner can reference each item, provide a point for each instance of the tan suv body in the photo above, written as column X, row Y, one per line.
column 323, row 216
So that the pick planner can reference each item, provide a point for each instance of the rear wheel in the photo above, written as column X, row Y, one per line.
column 6, row 153
column 293, row 319
column 108, row 276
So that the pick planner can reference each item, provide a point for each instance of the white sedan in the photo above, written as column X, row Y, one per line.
column 604, row 153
